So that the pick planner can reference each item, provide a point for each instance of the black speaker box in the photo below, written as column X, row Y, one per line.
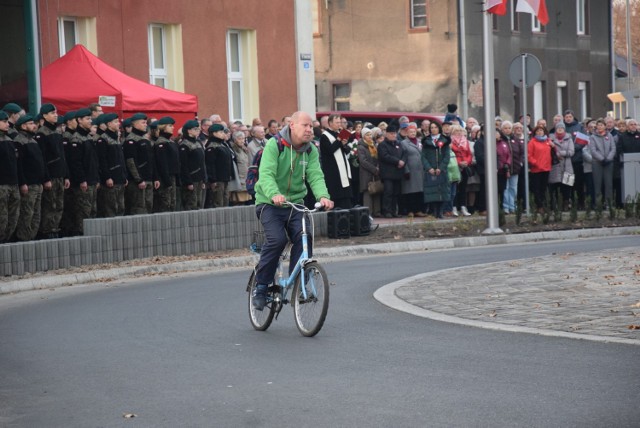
column 338, row 224
column 360, row 221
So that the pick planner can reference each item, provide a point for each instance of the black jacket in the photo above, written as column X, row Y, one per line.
column 9, row 162
column 192, row 163
column 82, row 159
column 389, row 153
column 30, row 156
column 219, row 161
column 52, row 148
column 139, row 158
column 111, row 159
column 167, row 157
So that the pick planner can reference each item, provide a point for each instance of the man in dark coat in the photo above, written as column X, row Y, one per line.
column 391, row 159
column 140, row 162
column 219, row 161
column 52, row 148
column 10, row 177
column 334, row 157
column 113, row 173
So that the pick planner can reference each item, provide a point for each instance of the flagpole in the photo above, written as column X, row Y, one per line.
column 491, row 181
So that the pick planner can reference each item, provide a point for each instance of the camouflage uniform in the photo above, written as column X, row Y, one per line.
column 139, row 160
column 52, row 148
column 9, row 193
column 112, row 166
column 35, row 174
column 193, row 172
column 167, row 169
column 82, row 161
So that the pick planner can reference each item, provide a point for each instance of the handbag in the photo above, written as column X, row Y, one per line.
column 375, row 187
column 568, row 178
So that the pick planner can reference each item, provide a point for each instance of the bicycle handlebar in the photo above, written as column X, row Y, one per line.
column 303, row 208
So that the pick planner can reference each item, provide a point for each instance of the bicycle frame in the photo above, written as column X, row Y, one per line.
column 287, row 282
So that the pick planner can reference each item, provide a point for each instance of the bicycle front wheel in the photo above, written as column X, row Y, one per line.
column 311, row 305
column 260, row 320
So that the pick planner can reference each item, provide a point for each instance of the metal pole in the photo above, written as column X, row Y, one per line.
column 629, row 52
column 463, row 62
column 491, row 182
column 526, row 132
column 33, row 56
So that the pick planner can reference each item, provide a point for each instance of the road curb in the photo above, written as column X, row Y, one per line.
column 104, row 275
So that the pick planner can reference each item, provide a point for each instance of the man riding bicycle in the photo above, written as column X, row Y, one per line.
column 287, row 162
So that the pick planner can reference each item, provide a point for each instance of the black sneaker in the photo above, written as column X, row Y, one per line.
column 260, row 297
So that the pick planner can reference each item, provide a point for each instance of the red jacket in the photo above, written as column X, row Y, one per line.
column 462, row 150
column 539, row 155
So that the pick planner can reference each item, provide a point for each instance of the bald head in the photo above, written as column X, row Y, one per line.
column 301, row 126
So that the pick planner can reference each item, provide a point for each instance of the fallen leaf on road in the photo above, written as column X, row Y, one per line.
column 493, row 314
column 129, row 415
column 637, row 305
column 634, row 327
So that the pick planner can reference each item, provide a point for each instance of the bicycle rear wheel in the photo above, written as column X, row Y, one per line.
column 260, row 320
column 310, row 312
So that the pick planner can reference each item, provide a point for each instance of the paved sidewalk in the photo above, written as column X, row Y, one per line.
column 588, row 296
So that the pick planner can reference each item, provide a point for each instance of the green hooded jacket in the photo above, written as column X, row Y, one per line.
column 284, row 173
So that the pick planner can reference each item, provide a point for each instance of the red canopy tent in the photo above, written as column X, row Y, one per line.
column 80, row 78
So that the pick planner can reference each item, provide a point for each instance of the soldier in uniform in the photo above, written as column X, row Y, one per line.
column 139, row 159
column 10, row 176
column 219, row 162
column 82, row 161
column 113, row 173
column 167, row 159
column 52, row 148
column 35, row 176
column 14, row 111
column 193, row 169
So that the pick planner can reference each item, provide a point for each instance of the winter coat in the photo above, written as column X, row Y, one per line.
column 219, row 161
column 368, row 166
column 415, row 181
column 436, row 188
column 630, row 142
column 587, row 160
column 503, row 151
column 539, row 155
column 517, row 154
column 389, row 154
column 242, row 162
column 565, row 150
column 602, row 147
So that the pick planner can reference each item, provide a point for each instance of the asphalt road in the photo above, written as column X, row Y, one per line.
column 180, row 352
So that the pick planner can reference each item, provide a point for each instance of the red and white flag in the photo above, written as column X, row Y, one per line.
column 582, row 139
column 498, row 7
column 534, row 7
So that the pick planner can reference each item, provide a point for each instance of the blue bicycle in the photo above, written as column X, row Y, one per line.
column 307, row 283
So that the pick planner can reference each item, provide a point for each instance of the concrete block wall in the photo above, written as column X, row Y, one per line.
column 115, row 239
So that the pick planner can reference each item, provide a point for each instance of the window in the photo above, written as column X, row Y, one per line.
column 166, row 67
column 418, row 13
column 536, row 26
column 242, row 74
column 342, row 96
column 582, row 17
column 515, row 18
column 73, row 30
column 157, row 56
column 583, row 99
column 538, row 100
column 494, row 22
column 561, row 96
column 315, row 13
column 496, row 99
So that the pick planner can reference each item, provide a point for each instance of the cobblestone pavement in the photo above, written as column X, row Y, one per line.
column 585, row 294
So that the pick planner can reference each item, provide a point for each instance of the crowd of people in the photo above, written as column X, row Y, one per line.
column 428, row 168
column 57, row 170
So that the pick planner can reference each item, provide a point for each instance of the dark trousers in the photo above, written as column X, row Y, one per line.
column 579, row 184
column 392, row 189
column 539, row 181
column 275, row 221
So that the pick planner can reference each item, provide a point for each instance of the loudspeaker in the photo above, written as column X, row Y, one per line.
column 338, row 224
column 360, row 221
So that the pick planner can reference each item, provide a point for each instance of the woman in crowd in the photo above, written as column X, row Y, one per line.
column 435, row 159
column 238, row 194
column 412, row 185
column 462, row 151
column 517, row 150
column 503, row 151
column 603, row 151
column 369, row 171
column 539, row 156
column 473, row 182
column 563, row 146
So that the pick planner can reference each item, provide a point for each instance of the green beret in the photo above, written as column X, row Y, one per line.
column 108, row 117
column 154, row 124
column 83, row 112
column 190, row 124
column 3, row 115
column 69, row 116
column 47, row 108
column 216, row 127
column 167, row 120
column 24, row 119
column 60, row 120
column 126, row 123
column 12, row 108
column 138, row 116
column 38, row 117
